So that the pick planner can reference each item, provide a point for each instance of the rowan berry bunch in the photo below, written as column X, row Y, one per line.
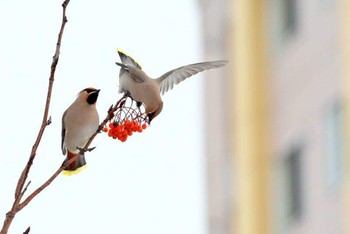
column 130, row 117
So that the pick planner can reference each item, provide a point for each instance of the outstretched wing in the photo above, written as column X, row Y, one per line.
column 175, row 76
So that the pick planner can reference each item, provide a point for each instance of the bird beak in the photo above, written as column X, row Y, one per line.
column 97, row 91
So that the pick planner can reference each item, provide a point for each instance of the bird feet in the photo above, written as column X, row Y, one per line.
column 138, row 104
column 127, row 94
column 99, row 129
column 82, row 151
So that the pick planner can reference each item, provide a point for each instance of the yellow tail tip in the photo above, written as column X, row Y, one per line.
column 70, row 173
column 120, row 50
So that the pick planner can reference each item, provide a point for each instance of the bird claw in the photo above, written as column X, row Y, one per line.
column 126, row 94
column 91, row 149
column 82, row 151
column 100, row 128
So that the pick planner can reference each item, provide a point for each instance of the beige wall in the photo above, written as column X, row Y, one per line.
column 304, row 80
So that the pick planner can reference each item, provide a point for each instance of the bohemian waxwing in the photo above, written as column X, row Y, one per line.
column 135, row 82
column 79, row 122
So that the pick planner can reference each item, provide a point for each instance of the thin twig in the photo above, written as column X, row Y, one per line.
column 19, row 192
column 25, row 188
column 27, row 231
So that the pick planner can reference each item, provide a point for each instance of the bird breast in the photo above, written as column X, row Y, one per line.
column 80, row 125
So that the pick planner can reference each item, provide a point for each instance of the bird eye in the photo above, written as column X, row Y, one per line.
column 89, row 90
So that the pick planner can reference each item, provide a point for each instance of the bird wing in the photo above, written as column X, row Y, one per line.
column 134, row 73
column 63, row 134
column 175, row 76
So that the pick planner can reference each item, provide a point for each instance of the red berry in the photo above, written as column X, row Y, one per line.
column 123, row 138
column 119, row 128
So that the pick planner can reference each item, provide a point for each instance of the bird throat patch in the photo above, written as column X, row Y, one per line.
column 92, row 98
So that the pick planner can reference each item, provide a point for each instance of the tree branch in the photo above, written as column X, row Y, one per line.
column 19, row 192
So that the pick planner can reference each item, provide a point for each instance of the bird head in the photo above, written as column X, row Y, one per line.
column 90, row 95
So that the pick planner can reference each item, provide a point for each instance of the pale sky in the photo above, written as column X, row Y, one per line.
column 155, row 182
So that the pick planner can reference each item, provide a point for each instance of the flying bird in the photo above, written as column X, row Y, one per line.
column 134, row 82
column 79, row 122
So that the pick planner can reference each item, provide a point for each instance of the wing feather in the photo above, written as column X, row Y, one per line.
column 175, row 76
column 63, row 134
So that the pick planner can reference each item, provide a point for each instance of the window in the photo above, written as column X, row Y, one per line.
column 284, row 21
column 289, row 202
column 334, row 151
column 289, row 16
column 294, row 183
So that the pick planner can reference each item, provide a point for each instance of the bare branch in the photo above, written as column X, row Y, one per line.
column 25, row 188
column 19, row 192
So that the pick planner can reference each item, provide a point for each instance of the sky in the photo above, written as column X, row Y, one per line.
column 154, row 182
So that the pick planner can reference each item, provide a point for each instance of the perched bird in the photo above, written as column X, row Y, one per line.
column 79, row 122
column 133, row 81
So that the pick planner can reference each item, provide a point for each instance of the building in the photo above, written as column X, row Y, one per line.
column 276, row 118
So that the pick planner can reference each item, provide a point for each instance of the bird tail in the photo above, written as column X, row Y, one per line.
column 128, row 60
column 76, row 166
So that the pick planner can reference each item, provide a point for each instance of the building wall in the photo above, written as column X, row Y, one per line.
column 306, row 82
column 305, row 109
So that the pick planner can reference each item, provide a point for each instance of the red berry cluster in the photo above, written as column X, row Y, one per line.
column 127, row 117
column 122, row 130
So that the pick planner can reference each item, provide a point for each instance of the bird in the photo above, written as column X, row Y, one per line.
column 79, row 122
column 134, row 82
